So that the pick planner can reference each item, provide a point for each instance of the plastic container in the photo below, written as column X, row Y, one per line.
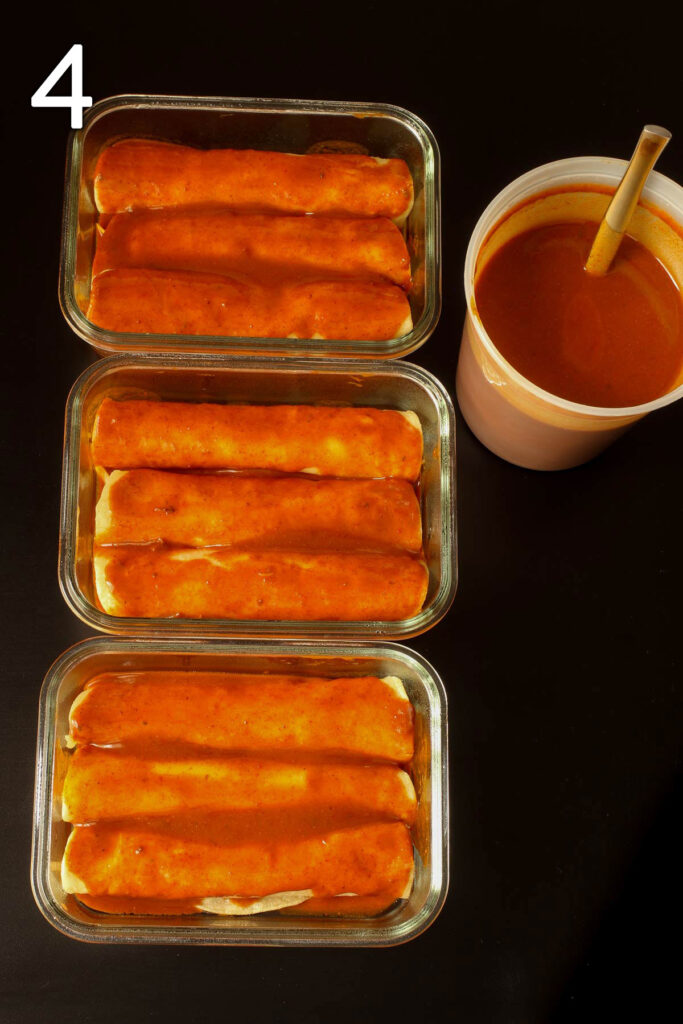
column 513, row 417
column 202, row 378
column 280, row 125
column 404, row 921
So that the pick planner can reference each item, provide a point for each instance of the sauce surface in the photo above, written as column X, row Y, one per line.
column 607, row 341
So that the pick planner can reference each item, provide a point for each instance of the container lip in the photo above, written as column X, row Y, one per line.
column 268, row 645
column 323, row 630
column 390, row 935
column 119, row 342
column 612, row 167
column 119, row 100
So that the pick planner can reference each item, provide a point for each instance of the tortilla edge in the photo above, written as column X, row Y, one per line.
column 103, row 515
column 227, row 906
column 71, row 883
column 396, row 685
column 106, row 598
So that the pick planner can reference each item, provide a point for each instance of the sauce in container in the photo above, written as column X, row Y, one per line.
column 553, row 367
column 608, row 341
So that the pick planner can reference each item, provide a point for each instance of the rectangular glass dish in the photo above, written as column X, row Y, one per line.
column 280, row 125
column 429, row 769
column 210, row 379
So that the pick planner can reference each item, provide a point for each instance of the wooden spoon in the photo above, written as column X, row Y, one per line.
column 613, row 225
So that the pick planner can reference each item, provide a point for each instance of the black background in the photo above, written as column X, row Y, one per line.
column 562, row 652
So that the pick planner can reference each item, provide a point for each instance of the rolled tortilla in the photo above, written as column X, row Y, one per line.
column 264, row 248
column 103, row 784
column 142, row 906
column 206, row 510
column 326, row 440
column 355, row 717
column 224, row 905
column 220, row 583
column 175, row 859
column 301, row 903
column 138, row 174
column 179, row 302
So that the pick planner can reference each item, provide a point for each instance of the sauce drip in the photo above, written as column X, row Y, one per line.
column 605, row 341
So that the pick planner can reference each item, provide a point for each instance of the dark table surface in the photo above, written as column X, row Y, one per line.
column 562, row 652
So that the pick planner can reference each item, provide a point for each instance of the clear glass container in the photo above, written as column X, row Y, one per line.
column 429, row 768
column 280, row 125
column 210, row 379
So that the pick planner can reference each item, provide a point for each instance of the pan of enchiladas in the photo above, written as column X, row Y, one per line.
column 244, row 499
column 283, row 227
column 244, row 793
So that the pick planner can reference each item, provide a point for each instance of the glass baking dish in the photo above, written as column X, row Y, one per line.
column 207, row 379
column 429, row 769
column 281, row 125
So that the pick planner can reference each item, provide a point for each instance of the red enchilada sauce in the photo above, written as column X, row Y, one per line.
column 605, row 341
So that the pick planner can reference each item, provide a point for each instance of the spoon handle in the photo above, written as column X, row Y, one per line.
column 613, row 226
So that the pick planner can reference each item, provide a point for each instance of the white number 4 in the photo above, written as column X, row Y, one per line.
column 77, row 101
